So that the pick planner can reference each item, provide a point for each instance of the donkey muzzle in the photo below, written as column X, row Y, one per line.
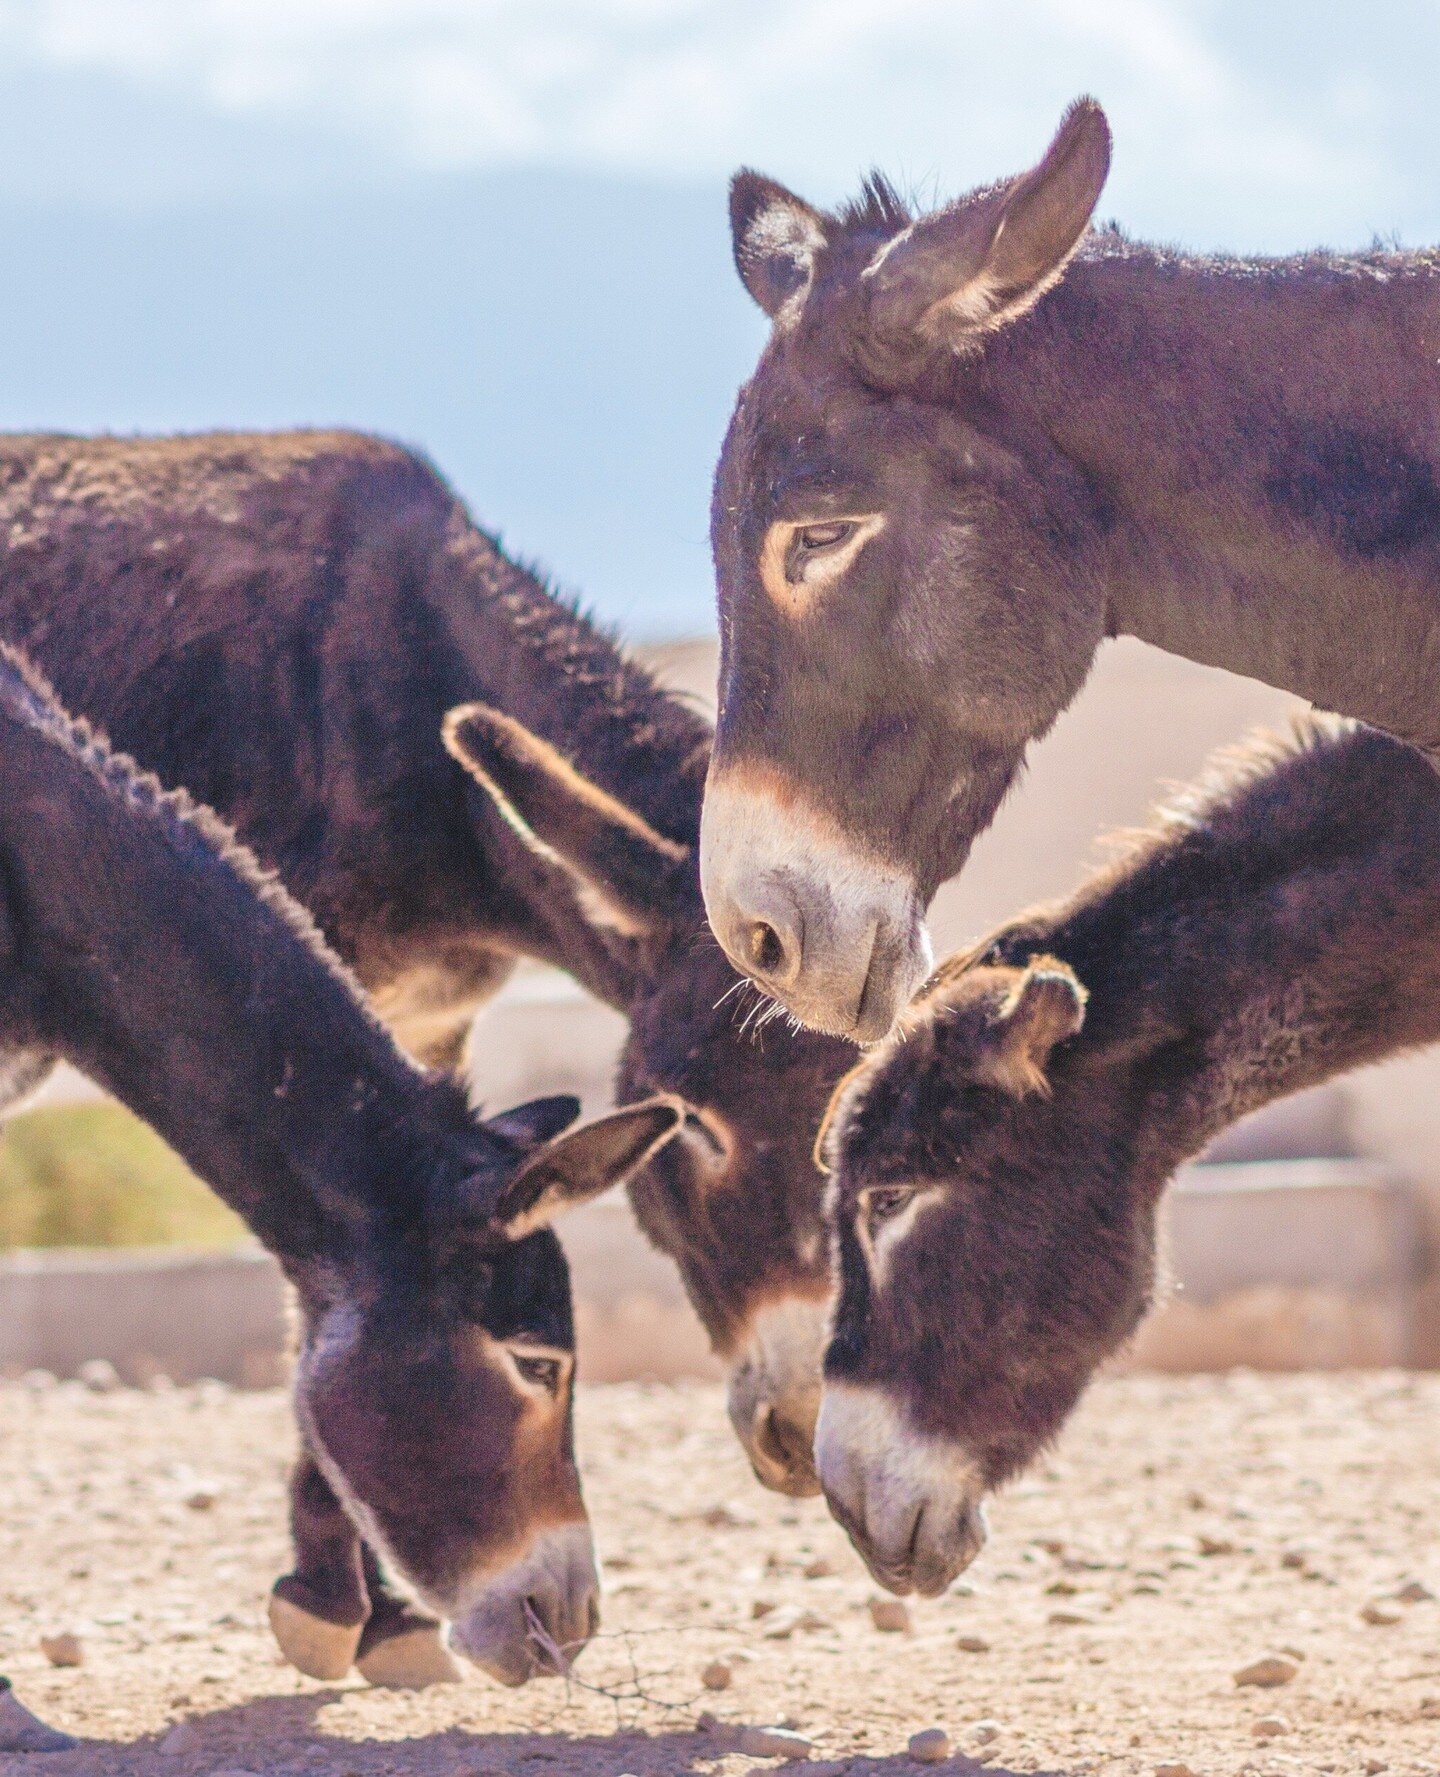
column 910, row 1503
column 833, row 933
column 532, row 1619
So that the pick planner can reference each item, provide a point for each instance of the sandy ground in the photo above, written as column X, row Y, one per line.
column 1185, row 1528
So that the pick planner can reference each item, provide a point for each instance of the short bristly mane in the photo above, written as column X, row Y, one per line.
column 1223, row 779
column 878, row 209
column 186, row 825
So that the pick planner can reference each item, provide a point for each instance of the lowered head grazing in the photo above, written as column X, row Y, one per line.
column 902, row 609
column 998, row 1162
column 735, row 1200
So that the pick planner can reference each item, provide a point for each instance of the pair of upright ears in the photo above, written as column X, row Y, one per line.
column 949, row 277
column 560, row 1168
column 631, row 878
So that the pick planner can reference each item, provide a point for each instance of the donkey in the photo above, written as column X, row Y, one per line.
column 289, row 619
column 140, row 941
column 998, row 1161
column 977, row 443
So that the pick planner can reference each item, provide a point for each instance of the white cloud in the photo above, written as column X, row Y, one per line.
column 813, row 89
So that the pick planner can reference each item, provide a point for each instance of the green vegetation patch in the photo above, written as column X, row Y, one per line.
column 93, row 1175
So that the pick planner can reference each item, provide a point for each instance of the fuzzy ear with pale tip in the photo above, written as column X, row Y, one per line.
column 966, row 270
column 578, row 1166
column 632, row 878
column 776, row 237
column 1044, row 1005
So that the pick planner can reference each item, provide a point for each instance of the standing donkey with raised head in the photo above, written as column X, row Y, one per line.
column 999, row 1160
column 141, row 942
column 287, row 623
column 977, row 443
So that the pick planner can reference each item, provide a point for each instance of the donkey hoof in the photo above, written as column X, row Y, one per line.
column 313, row 1646
column 22, row 1732
column 410, row 1661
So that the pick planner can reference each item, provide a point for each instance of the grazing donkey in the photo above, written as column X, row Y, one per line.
column 976, row 444
column 287, row 621
column 999, row 1160
column 141, row 942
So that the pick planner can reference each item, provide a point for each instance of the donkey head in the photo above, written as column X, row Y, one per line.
column 902, row 608
column 993, row 1210
column 735, row 1201
column 434, row 1385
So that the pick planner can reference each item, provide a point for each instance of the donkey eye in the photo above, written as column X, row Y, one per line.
column 824, row 536
column 881, row 1205
column 544, row 1372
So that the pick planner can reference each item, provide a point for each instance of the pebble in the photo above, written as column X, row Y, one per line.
column 1079, row 1617
column 931, row 1746
column 1173, row 1771
column 1383, row 1613
column 1270, row 1727
column 983, row 1732
column 1414, row 1592
column 202, row 1499
column 717, row 1676
column 1374, row 1766
column 972, row 1644
column 761, row 1607
column 772, row 1743
column 99, row 1375
column 183, row 1737
column 821, row 1568
column 1216, row 1545
column 890, row 1615
column 63, row 1649
column 1268, row 1671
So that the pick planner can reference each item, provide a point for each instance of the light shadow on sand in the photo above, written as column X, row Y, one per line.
column 270, row 1736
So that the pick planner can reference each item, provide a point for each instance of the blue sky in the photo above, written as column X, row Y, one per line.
column 496, row 227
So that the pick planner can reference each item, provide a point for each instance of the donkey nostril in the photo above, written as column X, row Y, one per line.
column 767, row 952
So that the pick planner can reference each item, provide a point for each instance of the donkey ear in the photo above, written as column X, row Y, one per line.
column 1045, row 1005
column 969, row 269
column 634, row 877
column 775, row 236
column 581, row 1165
column 538, row 1120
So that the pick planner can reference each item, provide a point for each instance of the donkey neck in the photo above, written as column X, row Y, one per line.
column 147, row 947
column 1258, row 439
column 1265, row 943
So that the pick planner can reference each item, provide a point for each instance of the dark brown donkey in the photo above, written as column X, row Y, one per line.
column 286, row 622
column 999, row 1160
column 978, row 443
column 141, row 942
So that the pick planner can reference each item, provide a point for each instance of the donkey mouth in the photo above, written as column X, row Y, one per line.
column 533, row 1619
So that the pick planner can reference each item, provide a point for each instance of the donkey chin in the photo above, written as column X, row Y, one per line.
column 909, row 1502
column 532, row 1618
column 774, row 1392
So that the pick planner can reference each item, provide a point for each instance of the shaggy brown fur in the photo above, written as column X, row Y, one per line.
column 1278, row 925
column 141, row 941
column 1072, row 437
column 283, row 623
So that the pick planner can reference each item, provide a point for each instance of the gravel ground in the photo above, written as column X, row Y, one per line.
column 1184, row 1529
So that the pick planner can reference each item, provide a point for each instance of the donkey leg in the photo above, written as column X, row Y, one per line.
column 22, row 1732
column 317, row 1612
column 401, row 1647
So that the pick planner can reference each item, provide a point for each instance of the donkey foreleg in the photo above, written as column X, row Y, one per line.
column 318, row 1612
column 401, row 1646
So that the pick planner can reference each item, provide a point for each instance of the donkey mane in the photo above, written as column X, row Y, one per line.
column 1226, row 775
column 191, row 829
column 879, row 206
